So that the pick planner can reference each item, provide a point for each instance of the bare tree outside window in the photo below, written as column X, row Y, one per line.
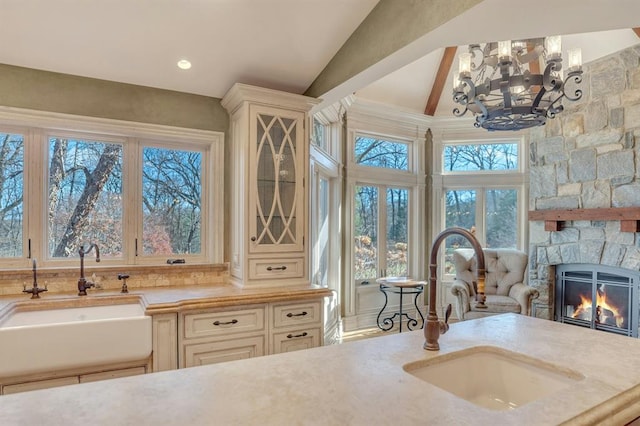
column 11, row 190
column 381, row 153
column 366, row 232
column 397, row 232
column 85, row 196
column 172, row 198
column 477, row 157
column 499, row 206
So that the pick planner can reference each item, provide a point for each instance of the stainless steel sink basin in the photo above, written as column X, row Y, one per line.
column 493, row 378
column 64, row 338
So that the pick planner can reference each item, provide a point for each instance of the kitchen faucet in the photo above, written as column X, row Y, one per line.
column 83, row 284
column 434, row 328
column 35, row 290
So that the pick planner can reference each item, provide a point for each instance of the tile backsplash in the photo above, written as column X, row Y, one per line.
column 62, row 280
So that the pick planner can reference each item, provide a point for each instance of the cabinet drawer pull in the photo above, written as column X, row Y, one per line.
column 234, row 321
column 297, row 315
column 277, row 268
column 292, row 336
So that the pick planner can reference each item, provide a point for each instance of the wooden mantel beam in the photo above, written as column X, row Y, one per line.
column 629, row 217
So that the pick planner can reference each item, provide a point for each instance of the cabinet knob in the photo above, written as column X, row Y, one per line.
column 253, row 239
column 292, row 336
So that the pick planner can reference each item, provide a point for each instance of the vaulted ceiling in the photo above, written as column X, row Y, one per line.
column 289, row 44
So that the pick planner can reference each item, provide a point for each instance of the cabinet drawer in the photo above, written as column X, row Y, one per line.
column 222, row 351
column 296, row 340
column 223, row 323
column 113, row 374
column 40, row 384
column 295, row 314
column 274, row 268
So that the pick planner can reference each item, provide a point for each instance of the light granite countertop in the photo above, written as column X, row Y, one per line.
column 159, row 300
column 356, row 383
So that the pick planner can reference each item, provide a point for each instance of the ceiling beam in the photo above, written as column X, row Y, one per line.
column 637, row 31
column 440, row 80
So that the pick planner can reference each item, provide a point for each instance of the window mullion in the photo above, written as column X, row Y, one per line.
column 131, row 209
column 382, row 230
column 35, row 196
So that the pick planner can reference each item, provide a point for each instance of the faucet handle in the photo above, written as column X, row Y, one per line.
column 447, row 314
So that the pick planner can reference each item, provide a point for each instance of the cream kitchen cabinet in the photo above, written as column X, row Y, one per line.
column 268, row 199
column 295, row 326
column 239, row 332
column 221, row 335
column 10, row 385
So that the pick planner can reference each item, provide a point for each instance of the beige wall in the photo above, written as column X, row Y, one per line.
column 63, row 93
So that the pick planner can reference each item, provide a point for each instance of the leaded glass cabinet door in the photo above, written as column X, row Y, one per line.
column 276, row 173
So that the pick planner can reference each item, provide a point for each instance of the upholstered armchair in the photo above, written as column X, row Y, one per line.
column 504, row 284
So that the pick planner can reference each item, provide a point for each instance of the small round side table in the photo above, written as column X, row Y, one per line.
column 400, row 286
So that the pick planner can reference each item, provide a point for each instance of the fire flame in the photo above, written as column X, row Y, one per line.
column 603, row 308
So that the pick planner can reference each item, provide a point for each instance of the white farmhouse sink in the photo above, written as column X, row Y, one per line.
column 493, row 378
column 57, row 339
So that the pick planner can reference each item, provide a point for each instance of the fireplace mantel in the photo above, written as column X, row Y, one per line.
column 629, row 217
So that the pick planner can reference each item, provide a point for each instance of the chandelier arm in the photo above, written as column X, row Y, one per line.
column 539, row 96
column 550, row 81
column 458, row 113
column 577, row 79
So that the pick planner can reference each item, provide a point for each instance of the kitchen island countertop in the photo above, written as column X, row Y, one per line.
column 356, row 383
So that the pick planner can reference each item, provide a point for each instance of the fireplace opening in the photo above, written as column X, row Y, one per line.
column 599, row 297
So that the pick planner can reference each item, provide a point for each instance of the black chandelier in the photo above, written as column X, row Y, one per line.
column 500, row 83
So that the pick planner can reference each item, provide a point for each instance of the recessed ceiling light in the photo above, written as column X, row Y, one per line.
column 184, row 64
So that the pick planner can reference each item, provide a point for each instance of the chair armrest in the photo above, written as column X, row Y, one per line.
column 523, row 294
column 462, row 292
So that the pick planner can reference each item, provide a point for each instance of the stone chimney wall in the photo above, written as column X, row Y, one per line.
column 587, row 157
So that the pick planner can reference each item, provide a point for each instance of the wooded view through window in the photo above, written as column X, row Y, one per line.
column 381, row 247
column 381, row 153
column 172, row 198
column 11, row 189
column 497, row 206
column 393, row 242
column 85, row 196
column 62, row 190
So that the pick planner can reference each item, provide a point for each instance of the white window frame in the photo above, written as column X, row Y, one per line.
column 322, row 166
column 37, row 126
column 411, row 179
column 480, row 181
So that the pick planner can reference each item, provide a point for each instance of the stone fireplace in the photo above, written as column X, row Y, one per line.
column 587, row 158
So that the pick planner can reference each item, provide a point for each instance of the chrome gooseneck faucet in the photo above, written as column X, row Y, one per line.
column 434, row 328
column 83, row 284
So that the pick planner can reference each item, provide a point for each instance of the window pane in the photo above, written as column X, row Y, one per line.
column 380, row 153
column 11, row 187
column 321, row 251
column 85, row 196
column 319, row 135
column 171, row 197
column 501, row 216
column 460, row 211
column 366, row 225
column 397, row 233
column 476, row 157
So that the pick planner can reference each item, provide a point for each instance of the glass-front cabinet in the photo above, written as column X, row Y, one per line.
column 276, row 167
column 269, row 214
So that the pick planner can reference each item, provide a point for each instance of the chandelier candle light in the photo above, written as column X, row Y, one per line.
column 504, row 92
